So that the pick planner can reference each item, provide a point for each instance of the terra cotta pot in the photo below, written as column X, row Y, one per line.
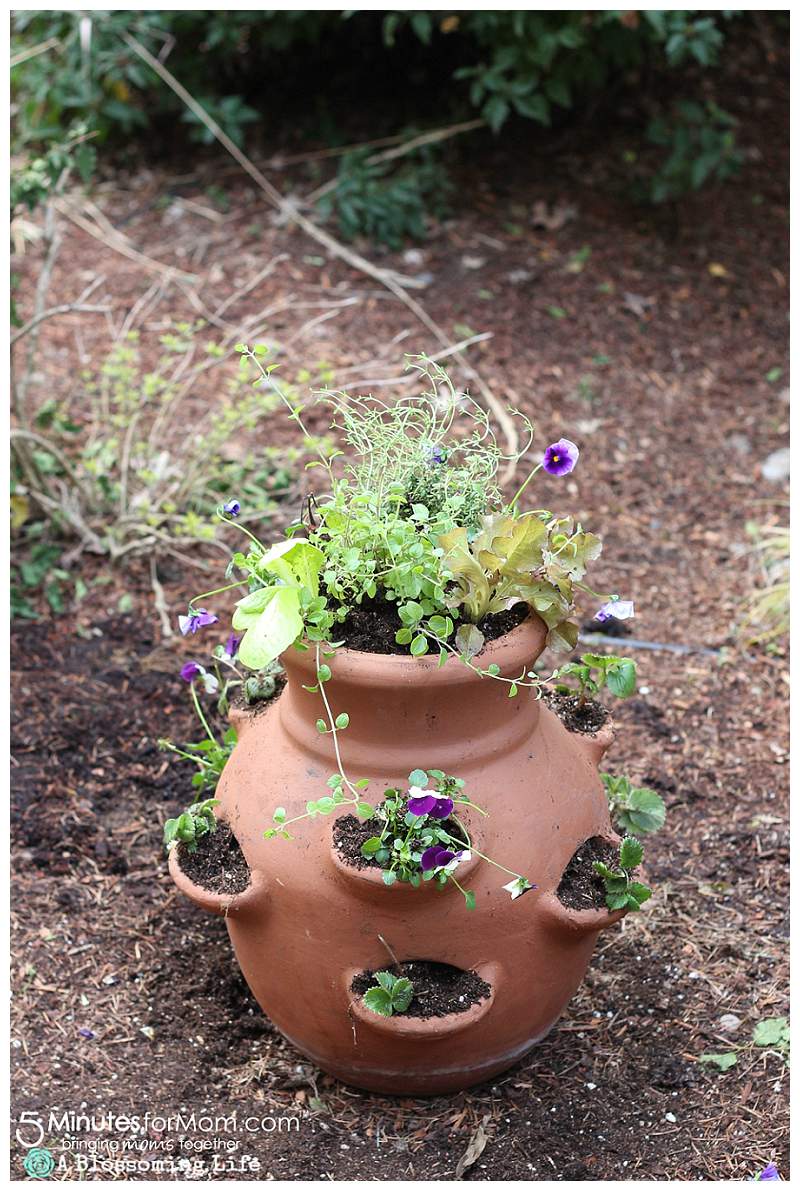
column 308, row 922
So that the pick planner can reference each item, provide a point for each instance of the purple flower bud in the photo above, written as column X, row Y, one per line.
column 769, row 1174
column 232, row 646
column 84, row 1033
column 196, row 619
column 618, row 609
column 190, row 671
column 560, row 457
column 232, row 508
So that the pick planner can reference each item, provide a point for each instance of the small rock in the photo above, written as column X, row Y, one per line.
column 413, row 257
column 473, row 262
column 729, row 1022
column 776, row 466
column 670, row 1116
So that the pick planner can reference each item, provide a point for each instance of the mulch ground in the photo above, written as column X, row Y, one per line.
column 127, row 998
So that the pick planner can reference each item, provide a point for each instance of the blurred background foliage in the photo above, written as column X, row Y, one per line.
column 77, row 86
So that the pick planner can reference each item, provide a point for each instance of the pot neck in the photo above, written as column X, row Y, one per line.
column 399, row 707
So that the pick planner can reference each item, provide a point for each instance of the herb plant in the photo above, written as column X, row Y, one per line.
column 622, row 892
column 391, row 994
column 189, row 828
column 411, row 516
column 633, row 808
column 593, row 672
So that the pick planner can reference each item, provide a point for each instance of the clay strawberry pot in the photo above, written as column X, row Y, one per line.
column 309, row 921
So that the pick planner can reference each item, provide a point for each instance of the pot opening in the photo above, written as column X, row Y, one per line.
column 218, row 863
column 588, row 719
column 439, row 990
column 350, row 832
column 370, row 626
column 580, row 887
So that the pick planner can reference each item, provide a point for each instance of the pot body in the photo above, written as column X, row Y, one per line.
column 309, row 922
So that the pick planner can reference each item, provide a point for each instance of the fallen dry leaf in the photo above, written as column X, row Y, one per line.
column 477, row 1144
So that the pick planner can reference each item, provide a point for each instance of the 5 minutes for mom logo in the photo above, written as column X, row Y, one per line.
column 38, row 1163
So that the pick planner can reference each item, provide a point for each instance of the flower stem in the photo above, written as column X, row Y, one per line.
column 217, row 591
column 200, row 715
column 513, row 503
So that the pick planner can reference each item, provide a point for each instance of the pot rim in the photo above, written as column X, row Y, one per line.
column 423, row 1029
column 562, row 917
column 207, row 899
column 514, row 650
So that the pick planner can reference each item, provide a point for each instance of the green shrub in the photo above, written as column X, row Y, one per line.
column 387, row 200
column 700, row 145
column 72, row 65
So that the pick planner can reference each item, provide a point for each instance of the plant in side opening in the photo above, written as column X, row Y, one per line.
column 593, row 672
column 197, row 821
column 622, row 891
column 390, row 994
column 634, row 809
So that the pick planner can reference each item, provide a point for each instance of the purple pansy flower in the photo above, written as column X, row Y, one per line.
column 769, row 1174
column 196, row 619
column 560, row 457
column 438, row 857
column 428, row 802
column 618, row 609
column 231, row 646
column 232, row 507
column 193, row 672
column 437, row 454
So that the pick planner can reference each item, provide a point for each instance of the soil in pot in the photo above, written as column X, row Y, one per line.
column 580, row 887
column 217, row 864
column 439, row 989
column 350, row 832
column 587, row 719
column 371, row 626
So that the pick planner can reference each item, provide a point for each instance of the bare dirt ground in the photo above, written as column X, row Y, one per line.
column 651, row 350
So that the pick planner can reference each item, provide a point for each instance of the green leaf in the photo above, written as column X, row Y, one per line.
column 371, row 846
column 419, row 646
column 621, row 677
column 386, row 980
column 279, row 814
column 379, row 1001
column 418, row 777
column 274, row 630
column 723, row 1061
column 389, row 877
column 645, row 811
column 470, row 641
column 365, row 810
column 342, row 720
column 772, row 1031
column 639, row 891
column 324, row 673
column 630, row 852
column 402, row 994
column 469, row 898
column 322, row 727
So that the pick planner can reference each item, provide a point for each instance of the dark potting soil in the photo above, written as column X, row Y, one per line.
column 350, row 832
column 371, row 626
column 580, row 887
column 218, row 863
column 439, row 989
column 587, row 719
